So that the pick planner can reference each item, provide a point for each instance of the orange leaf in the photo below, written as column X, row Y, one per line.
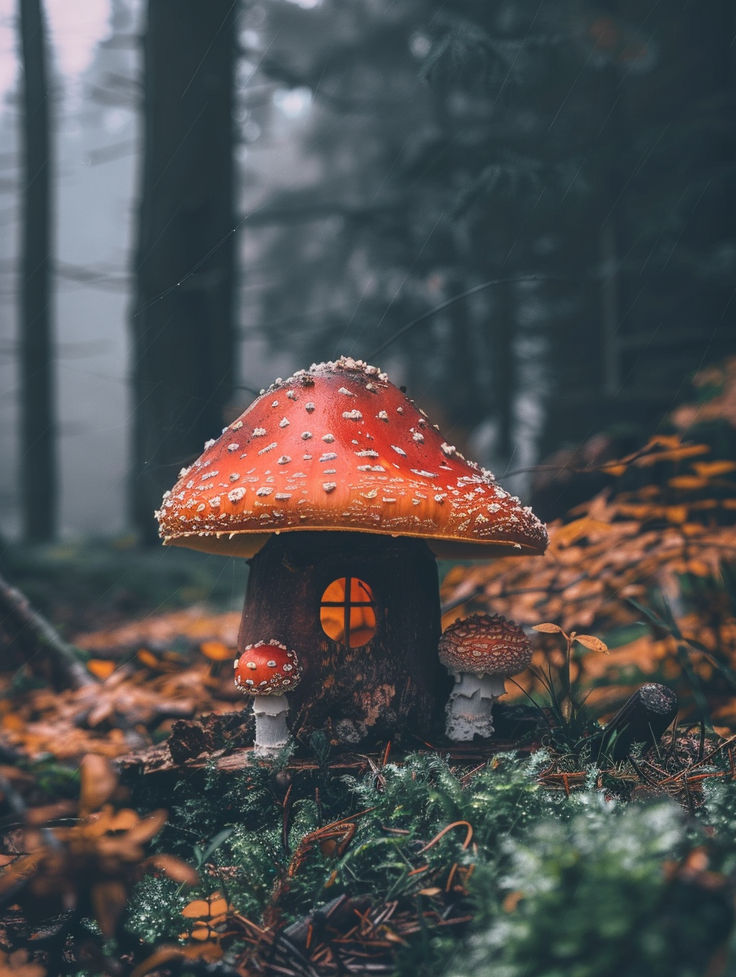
column 98, row 782
column 548, row 628
column 197, row 909
column 676, row 513
column 101, row 668
column 147, row 657
column 710, row 468
column 216, row 651
column 591, row 642
column 686, row 482
column 174, row 868
column 147, row 827
column 108, row 899
column 165, row 954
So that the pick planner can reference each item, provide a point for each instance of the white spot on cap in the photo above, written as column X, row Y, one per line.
column 346, row 392
column 282, row 496
column 328, row 456
column 269, row 447
column 212, row 474
column 329, row 486
column 236, row 426
column 448, row 449
column 233, row 446
column 284, row 460
column 234, row 476
column 201, row 507
column 264, row 490
column 275, row 403
column 309, row 407
column 382, row 415
column 215, row 501
column 185, row 471
column 399, row 451
column 284, row 422
column 306, row 435
column 420, row 471
column 417, row 436
column 291, row 394
column 258, row 432
column 352, row 415
column 369, row 453
column 399, row 410
column 208, row 444
column 236, row 494
column 328, row 438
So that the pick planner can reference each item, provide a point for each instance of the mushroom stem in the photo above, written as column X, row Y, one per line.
column 469, row 708
column 272, row 733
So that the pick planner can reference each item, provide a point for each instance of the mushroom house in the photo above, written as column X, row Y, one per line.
column 341, row 495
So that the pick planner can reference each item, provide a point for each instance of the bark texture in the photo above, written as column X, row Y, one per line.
column 183, row 320
column 390, row 685
column 38, row 460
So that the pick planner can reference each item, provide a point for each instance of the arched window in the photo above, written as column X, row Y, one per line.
column 347, row 612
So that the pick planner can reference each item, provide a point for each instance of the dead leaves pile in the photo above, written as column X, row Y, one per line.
column 129, row 706
column 74, row 861
column 666, row 540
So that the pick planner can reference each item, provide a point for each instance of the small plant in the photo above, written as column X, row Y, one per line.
column 570, row 719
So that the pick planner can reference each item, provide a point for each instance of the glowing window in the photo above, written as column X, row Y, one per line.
column 347, row 612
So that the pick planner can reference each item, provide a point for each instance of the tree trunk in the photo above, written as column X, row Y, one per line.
column 392, row 684
column 183, row 316
column 38, row 463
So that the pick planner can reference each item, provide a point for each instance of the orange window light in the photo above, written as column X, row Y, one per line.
column 348, row 612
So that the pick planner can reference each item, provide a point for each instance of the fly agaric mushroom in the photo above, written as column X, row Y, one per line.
column 335, row 476
column 481, row 651
column 266, row 670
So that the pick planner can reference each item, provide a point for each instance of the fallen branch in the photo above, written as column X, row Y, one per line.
column 39, row 643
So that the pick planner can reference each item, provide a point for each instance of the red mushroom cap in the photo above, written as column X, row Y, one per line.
column 339, row 447
column 267, row 668
column 485, row 644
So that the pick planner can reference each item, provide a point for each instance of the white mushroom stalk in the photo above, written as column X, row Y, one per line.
column 469, row 709
column 272, row 732
column 481, row 652
column 264, row 671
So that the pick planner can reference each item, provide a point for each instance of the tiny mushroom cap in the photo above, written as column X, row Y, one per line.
column 267, row 668
column 485, row 644
column 339, row 447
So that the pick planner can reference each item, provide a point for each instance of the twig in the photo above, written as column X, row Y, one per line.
column 40, row 644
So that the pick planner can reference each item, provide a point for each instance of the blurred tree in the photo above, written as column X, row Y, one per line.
column 579, row 157
column 38, row 434
column 183, row 313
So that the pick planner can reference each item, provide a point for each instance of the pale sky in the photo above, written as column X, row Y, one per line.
column 75, row 27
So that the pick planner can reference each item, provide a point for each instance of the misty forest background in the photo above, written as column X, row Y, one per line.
column 523, row 211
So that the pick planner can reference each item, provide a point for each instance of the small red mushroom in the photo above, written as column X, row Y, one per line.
column 481, row 651
column 266, row 670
